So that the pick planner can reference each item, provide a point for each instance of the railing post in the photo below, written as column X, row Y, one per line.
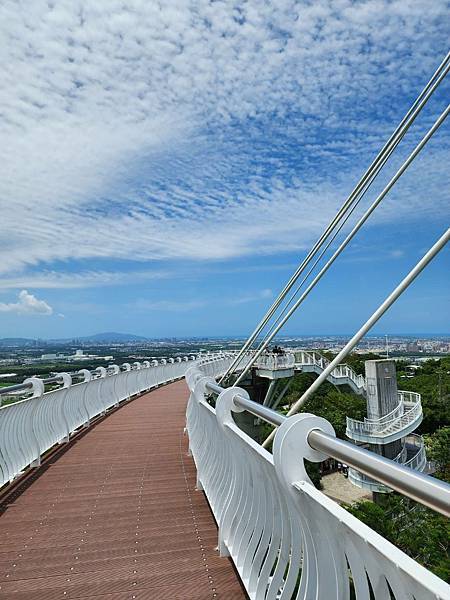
column 116, row 371
column 87, row 377
column 102, row 372
column 327, row 567
column 67, row 382
column 146, row 366
column 154, row 374
column 38, row 390
column 127, row 368
column 225, row 406
column 163, row 369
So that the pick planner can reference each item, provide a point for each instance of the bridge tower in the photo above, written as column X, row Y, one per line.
column 392, row 416
column 382, row 399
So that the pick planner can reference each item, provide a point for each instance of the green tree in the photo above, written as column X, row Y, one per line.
column 438, row 451
column 329, row 402
column 432, row 382
column 421, row 533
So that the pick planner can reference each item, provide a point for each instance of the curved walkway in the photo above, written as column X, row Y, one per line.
column 117, row 517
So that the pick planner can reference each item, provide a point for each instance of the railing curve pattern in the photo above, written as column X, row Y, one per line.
column 412, row 455
column 30, row 427
column 406, row 415
column 285, row 537
column 313, row 361
column 276, row 362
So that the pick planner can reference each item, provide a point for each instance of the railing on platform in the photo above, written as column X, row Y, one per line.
column 341, row 372
column 31, row 426
column 275, row 362
column 407, row 412
column 412, row 455
column 285, row 537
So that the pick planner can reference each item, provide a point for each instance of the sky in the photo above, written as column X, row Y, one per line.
column 165, row 166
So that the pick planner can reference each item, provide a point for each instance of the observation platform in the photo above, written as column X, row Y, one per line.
column 117, row 516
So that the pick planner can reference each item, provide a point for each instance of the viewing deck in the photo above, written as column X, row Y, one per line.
column 103, row 502
column 117, row 516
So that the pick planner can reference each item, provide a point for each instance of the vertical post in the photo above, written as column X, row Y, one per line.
column 37, row 391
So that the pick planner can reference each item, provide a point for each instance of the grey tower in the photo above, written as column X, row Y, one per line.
column 392, row 416
column 382, row 399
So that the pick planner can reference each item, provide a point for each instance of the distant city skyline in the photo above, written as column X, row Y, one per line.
column 165, row 172
column 135, row 338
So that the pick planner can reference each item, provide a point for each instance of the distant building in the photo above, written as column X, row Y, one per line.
column 412, row 347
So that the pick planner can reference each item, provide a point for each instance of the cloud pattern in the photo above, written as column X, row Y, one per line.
column 199, row 130
column 27, row 304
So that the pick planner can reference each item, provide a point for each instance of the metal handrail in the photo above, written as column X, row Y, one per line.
column 276, row 361
column 395, row 413
column 26, row 386
column 431, row 492
column 419, row 457
column 377, row 426
column 342, row 370
column 55, row 379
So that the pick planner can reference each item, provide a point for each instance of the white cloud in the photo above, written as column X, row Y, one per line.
column 188, row 305
column 168, row 305
column 249, row 298
column 27, row 304
column 397, row 253
column 82, row 279
column 131, row 129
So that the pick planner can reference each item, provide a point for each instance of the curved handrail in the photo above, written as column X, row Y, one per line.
column 419, row 458
column 416, row 462
column 403, row 414
column 342, row 371
column 31, row 426
column 276, row 361
column 286, row 538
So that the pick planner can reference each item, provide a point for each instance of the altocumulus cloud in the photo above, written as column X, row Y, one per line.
column 196, row 130
column 27, row 304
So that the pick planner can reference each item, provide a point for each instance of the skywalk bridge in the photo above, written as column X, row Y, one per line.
column 116, row 511
column 102, row 500
column 398, row 424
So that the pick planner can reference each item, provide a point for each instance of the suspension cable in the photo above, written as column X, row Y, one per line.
column 393, row 296
column 349, row 237
column 365, row 180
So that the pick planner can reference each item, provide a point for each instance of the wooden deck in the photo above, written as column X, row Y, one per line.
column 117, row 517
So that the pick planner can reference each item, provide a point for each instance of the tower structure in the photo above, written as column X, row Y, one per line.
column 392, row 416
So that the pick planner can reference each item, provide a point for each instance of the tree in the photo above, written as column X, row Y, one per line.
column 432, row 382
column 421, row 533
column 438, row 451
column 328, row 402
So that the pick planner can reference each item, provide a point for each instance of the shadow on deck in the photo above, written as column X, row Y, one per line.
column 117, row 517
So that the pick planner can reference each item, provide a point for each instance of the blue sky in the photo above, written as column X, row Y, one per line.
column 163, row 170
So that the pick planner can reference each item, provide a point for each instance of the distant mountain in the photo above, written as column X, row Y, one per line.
column 113, row 336
column 99, row 338
column 17, row 342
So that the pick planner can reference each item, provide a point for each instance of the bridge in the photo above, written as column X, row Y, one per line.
column 114, row 512
column 128, row 483
column 113, row 489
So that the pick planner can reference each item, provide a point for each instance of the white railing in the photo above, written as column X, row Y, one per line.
column 413, row 446
column 31, row 426
column 407, row 412
column 275, row 362
column 363, row 481
column 409, row 397
column 286, row 538
column 340, row 374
